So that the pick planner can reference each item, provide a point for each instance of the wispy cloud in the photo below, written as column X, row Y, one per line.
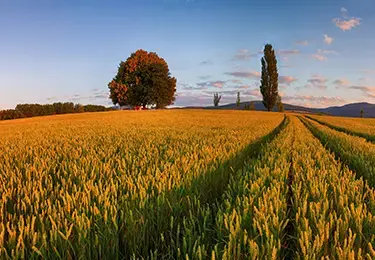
column 205, row 77
column 320, row 51
column 368, row 71
column 302, row 43
column 241, row 74
column 328, row 40
column 51, row 99
column 345, row 23
column 366, row 90
column 288, row 80
column 317, row 81
column 243, row 55
column 206, row 62
column 341, row 83
column 308, row 100
column 319, row 57
column 215, row 84
column 288, row 52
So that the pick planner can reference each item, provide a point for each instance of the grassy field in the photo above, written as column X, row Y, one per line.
column 187, row 184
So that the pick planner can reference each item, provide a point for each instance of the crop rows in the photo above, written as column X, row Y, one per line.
column 67, row 180
column 365, row 129
column 355, row 151
column 184, row 185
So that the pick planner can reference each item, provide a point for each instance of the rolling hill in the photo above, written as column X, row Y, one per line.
column 349, row 110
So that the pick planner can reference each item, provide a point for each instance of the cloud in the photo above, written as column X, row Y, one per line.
column 254, row 92
column 368, row 71
column 288, row 52
column 345, row 23
column 193, row 99
column 249, row 75
column 341, row 82
column 215, row 84
column 236, row 81
column 302, row 43
column 223, row 92
column 205, row 77
column 328, row 40
column 206, row 62
column 244, row 55
column 187, row 86
column 287, row 80
column 307, row 100
column 364, row 79
column 320, row 51
column 319, row 57
column 51, row 98
column 321, row 54
column 317, row 81
column 366, row 91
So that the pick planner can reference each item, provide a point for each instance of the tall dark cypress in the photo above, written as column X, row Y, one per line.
column 269, row 79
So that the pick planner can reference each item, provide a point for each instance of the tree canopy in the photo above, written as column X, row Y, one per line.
column 143, row 79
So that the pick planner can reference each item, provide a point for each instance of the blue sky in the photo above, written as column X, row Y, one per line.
column 68, row 50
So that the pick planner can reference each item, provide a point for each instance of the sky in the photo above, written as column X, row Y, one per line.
column 69, row 50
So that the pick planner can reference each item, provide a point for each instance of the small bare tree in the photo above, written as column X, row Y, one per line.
column 217, row 98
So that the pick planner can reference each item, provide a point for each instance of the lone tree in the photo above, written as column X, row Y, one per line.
column 216, row 99
column 280, row 105
column 269, row 78
column 362, row 113
column 238, row 103
column 143, row 79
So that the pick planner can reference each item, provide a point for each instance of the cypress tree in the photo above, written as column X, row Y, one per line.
column 238, row 99
column 269, row 78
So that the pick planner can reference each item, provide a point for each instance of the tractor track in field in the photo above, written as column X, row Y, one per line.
column 368, row 137
column 288, row 242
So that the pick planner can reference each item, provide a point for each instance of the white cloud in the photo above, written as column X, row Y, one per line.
column 328, row 40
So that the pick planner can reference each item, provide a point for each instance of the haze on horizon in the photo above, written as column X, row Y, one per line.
column 69, row 50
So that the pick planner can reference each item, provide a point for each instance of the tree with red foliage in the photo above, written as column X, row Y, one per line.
column 144, row 79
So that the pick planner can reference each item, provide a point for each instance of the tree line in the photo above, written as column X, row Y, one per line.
column 58, row 108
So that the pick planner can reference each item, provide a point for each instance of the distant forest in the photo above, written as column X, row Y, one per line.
column 31, row 110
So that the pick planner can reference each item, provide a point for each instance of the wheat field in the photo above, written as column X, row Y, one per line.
column 187, row 184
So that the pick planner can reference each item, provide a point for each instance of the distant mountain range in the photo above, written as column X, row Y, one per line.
column 349, row 110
